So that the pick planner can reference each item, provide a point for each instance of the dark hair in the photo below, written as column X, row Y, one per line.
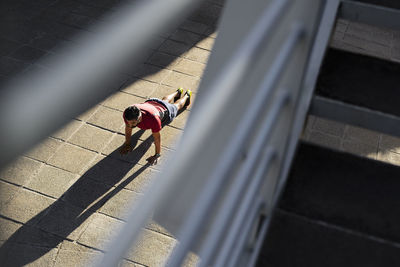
column 131, row 113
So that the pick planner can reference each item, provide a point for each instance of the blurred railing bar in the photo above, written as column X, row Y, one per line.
column 251, row 165
column 247, row 203
column 33, row 107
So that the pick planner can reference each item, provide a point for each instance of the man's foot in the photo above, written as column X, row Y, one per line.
column 179, row 93
column 189, row 97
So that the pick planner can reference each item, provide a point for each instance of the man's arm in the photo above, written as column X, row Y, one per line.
column 157, row 143
column 126, row 147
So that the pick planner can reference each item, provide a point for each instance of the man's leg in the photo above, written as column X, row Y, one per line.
column 171, row 98
column 184, row 101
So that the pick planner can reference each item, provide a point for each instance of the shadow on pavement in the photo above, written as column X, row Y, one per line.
column 56, row 223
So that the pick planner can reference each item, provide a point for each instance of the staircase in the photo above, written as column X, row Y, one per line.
column 340, row 209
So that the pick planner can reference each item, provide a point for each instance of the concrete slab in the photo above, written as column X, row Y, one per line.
column 73, row 254
column 190, row 67
column 118, row 202
column 45, row 150
column 140, row 87
column 164, row 60
column 66, row 132
column 108, row 119
column 72, row 158
column 100, row 231
column 185, row 37
column 148, row 243
column 198, row 54
column 25, row 206
column 361, row 135
column 173, row 48
column 176, row 79
column 121, row 100
column 20, row 171
column 91, row 137
column 7, row 192
column 45, row 181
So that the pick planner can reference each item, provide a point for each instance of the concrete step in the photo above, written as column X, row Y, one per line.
column 360, row 90
column 337, row 210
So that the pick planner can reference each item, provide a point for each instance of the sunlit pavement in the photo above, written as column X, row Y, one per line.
column 61, row 202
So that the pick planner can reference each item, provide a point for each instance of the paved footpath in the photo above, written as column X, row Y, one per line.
column 61, row 202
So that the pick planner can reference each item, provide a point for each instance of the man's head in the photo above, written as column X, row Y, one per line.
column 132, row 116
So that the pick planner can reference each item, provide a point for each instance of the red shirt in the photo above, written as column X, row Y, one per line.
column 150, row 116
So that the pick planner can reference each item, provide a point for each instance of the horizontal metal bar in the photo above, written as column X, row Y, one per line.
column 246, row 171
column 198, row 214
column 355, row 115
column 370, row 14
column 34, row 106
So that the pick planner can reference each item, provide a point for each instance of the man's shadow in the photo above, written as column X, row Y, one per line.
column 53, row 225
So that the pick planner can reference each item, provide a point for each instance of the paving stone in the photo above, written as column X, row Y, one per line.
column 211, row 32
column 190, row 67
column 165, row 153
column 72, row 158
column 32, row 235
column 173, row 48
column 20, row 171
column 324, row 140
column 7, row 228
column 27, row 255
column 72, row 254
column 163, row 60
column 151, row 73
column 208, row 13
column 193, row 26
column 7, row 192
column 65, row 132
column 390, row 143
column 140, row 87
column 108, row 119
column 100, row 231
column 91, row 137
column 389, row 157
column 362, row 135
column 186, row 37
column 176, row 79
column 45, row 150
column 122, row 100
column 170, row 136
column 113, row 147
column 138, row 178
column 26, row 206
column 149, row 242
column 118, row 202
column 52, row 181
column 206, row 43
column 65, row 220
column 163, row 90
column 360, row 149
column 108, row 170
column 329, row 127
column 88, row 114
column 198, row 54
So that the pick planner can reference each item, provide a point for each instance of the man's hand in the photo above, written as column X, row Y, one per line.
column 125, row 149
column 153, row 160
